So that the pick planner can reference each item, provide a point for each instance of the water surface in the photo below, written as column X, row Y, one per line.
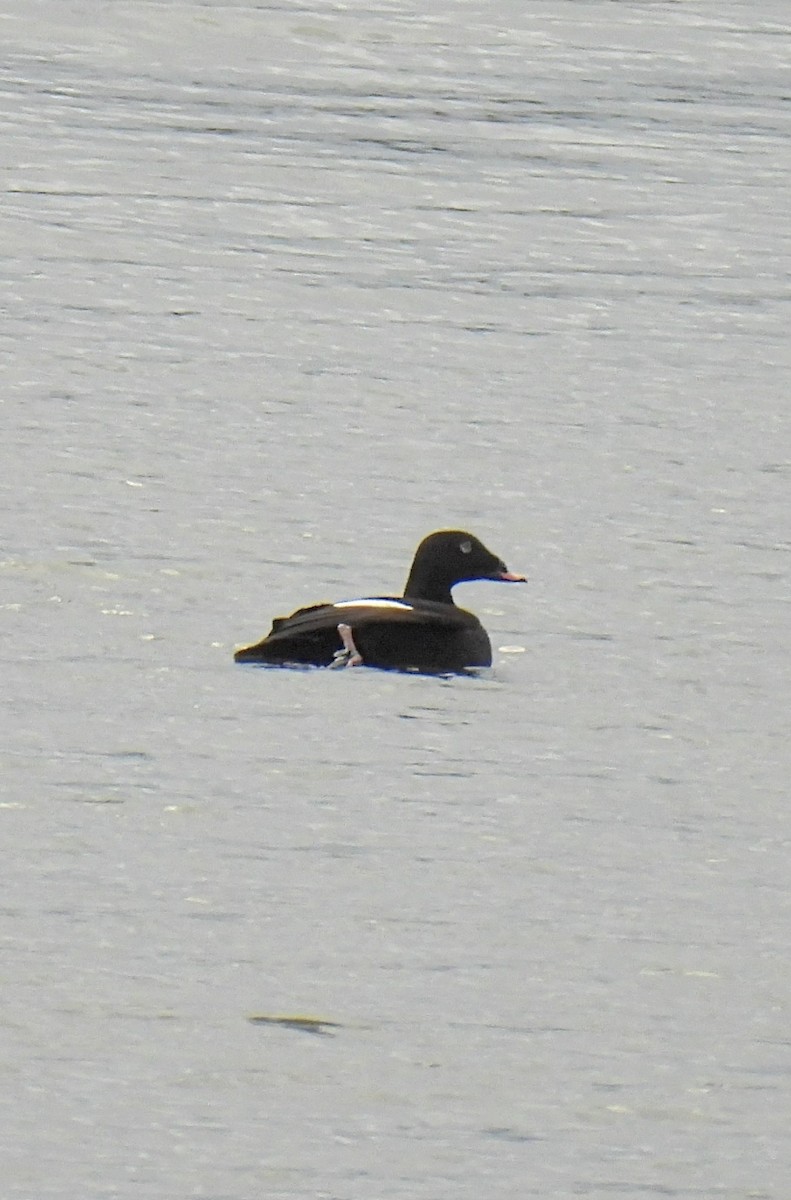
column 286, row 287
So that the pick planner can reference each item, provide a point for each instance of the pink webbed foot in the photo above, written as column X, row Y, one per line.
column 349, row 655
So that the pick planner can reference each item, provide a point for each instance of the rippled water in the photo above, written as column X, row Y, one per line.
column 286, row 287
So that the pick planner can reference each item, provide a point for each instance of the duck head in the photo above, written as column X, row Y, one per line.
column 451, row 556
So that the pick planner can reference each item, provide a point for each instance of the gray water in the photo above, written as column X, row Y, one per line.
column 285, row 287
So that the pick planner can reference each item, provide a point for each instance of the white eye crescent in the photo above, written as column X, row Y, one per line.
column 465, row 547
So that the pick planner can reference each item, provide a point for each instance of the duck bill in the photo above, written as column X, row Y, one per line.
column 510, row 577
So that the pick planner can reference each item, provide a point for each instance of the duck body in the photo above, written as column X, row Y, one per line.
column 389, row 632
column 422, row 631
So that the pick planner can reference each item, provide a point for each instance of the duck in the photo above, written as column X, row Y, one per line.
column 422, row 631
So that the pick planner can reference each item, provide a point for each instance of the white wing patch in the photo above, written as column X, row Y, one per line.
column 396, row 604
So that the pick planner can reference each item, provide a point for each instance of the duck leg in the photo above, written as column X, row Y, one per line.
column 349, row 655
